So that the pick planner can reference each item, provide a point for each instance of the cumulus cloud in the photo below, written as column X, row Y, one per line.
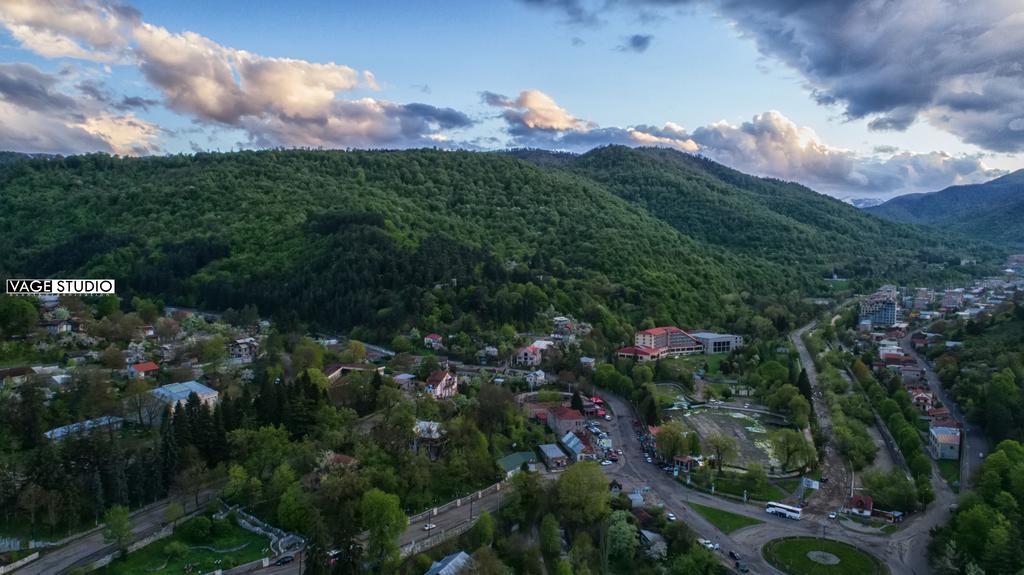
column 769, row 144
column 80, row 29
column 37, row 115
column 955, row 64
column 275, row 100
column 534, row 119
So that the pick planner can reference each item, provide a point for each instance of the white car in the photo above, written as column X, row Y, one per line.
column 429, row 526
column 607, row 462
column 670, row 516
column 832, row 515
column 607, row 418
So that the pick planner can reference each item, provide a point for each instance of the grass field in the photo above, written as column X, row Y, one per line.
column 788, row 485
column 152, row 559
column 724, row 520
column 950, row 470
column 790, row 555
column 734, row 486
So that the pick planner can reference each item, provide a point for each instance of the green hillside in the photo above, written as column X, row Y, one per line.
column 383, row 241
column 992, row 211
column 787, row 224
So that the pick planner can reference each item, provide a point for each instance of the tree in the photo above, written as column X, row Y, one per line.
column 723, row 447
column 550, row 536
column 384, row 521
column 293, row 508
column 755, row 480
column 671, row 440
column 355, row 352
column 622, row 538
column 792, row 447
column 483, row 531
column 117, row 527
column 698, row 561
column 173, row 513
column 112, row 358
column 17, row 316
column 583, row 494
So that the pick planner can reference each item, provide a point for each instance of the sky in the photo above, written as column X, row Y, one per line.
column 867, row 99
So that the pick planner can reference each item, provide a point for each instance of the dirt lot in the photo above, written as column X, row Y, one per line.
column 751, row 435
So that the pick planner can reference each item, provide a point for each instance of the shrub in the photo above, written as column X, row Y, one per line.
column 195, row 530
column 220, row 527
column 175, row 549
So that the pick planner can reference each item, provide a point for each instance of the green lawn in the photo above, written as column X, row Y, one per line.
column 734, row 486
column 726, row 521
column 788, row 485
column 790, row 555
column 152, row 559
column 950, row 470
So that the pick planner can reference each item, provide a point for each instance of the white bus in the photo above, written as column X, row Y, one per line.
column 781, row 509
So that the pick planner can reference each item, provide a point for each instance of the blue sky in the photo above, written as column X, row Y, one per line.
column 714, row 77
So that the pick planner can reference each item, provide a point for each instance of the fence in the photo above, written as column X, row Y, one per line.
column 18, row 563
column 457, row 502
column 278, row 537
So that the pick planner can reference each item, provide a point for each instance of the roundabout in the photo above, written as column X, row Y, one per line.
column 812, row 556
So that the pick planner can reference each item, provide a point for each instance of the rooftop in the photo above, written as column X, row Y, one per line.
column 551, row 451
column 175, row 392
column 87, row 425
column 514, row 461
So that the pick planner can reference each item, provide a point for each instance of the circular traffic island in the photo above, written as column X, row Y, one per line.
column 811, row 556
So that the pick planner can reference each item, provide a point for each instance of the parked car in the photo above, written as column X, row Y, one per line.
column 734, row 555
column 832, row 515
column 284, row 560
column 607, row 418
column 742, row 567
column 607, row 462
column 429, row 526
column 670, row 516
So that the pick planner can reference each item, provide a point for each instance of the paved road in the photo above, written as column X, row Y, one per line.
column 92, row 546
column 974, row 441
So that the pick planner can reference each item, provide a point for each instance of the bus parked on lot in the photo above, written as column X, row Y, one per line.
column 781, row 509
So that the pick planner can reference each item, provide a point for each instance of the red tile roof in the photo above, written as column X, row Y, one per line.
column 637, row 350
column 661, row 330
column 433, row 336
column 145, row 366
column 859, row 501
column 437, row 377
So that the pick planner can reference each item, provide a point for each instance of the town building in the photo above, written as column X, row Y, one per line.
column 433, row 341
column 143, row 370
column 442, row 384
column 553, row 456
column 717, row 342
column 177, row 393
column 656, row 343
column 451, row 564
column 107, row 422
column 861, row 505
column 529, row 356
column 563, row 419
column 535, row 378
column 429, row 438
column 513, row 462
column 944, row 438
column 953, row 299
column 880, row 308
column 244, row 350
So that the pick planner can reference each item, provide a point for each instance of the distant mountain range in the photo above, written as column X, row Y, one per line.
column 864, row 202
column 992, row 211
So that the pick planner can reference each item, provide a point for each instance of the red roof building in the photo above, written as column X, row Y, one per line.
column 143, row 369
column 861, row 504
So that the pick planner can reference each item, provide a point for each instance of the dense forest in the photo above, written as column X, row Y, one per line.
column 992, row 211
column 377, row 242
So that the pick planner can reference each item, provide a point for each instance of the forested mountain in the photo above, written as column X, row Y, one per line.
column 470, row 241
column 764, row 219
column 992, row 211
